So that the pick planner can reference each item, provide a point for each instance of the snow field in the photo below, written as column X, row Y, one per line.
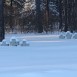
column 43, row 58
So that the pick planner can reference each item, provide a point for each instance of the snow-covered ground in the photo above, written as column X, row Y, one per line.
column 47, row 56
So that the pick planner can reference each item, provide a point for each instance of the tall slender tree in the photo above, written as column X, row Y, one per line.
column 60, row 13
column 2, row 33
column 46, row 15
column 75, row 15
column 11, row 15
column 39, row 26
column 66, row 15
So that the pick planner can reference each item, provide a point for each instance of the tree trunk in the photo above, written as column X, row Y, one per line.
column 11, row 16
column 66, row 16
column 2, row 33
column 60, row 14
column 47, row 16
column 39, row 26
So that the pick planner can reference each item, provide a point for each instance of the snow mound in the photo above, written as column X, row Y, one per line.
column 24, row 43
column 68, row 35
column 14, row 41
column 62, row 36
column 4, row 43
column 75, row 36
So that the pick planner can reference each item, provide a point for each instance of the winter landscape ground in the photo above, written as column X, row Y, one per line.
column 47, row 56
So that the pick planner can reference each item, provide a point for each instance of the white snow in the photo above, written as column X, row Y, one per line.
column 47, row 56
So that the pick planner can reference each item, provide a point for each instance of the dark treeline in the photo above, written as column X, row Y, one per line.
column 31, row 15
column 67, row 15
column 38, row 16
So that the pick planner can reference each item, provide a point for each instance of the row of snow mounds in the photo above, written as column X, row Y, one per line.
column 14, row 42
column 68, row 35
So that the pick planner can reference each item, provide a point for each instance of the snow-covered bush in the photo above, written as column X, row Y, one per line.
column 68, row 35
column 4, row 43
column 24, row 43
column 75, row 36
column 61, row 36
column 14, row 41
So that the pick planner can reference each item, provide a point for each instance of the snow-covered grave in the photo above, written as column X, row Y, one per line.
column 43, row 58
